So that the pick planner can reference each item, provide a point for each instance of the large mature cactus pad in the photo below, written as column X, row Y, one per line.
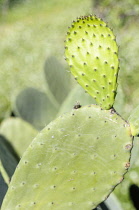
column 74, row 163
column 91, row 52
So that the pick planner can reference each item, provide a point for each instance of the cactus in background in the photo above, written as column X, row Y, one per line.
column 18, row 133
column 78, row 96
column 3, row 189
column 134, row 121
column 8, row 159
column 57, row 79
column 79, row 158
column 35, row 107
column 39, row 108
column 111, row 203
column 15, row 136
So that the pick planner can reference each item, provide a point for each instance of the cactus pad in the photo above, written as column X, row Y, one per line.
column 74, row 163
column 35, row 107
column 91, row 52
column 12, row 129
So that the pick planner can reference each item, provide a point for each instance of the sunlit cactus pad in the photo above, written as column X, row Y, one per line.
column 91, row 52
column 74, row 163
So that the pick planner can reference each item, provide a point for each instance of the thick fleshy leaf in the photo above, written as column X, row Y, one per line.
column 66, row 164
column 91, row 52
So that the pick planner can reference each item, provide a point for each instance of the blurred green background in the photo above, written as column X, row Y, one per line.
column 32, row 34
column 32, row 30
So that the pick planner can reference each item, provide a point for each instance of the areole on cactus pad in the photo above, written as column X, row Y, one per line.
column 91, row 52
column 74, row 163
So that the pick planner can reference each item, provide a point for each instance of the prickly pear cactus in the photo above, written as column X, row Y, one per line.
column 78, row 159
column 91, row 52
column 74, row 163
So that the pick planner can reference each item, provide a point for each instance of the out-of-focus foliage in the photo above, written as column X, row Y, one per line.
column 57, row 79
column 29, row 33
column 122, row 16
column 117, row 12
column 39, row 108
column 18, row 133
column 35, row 107
column 8, row 159
column 3, row 188
column 5, row 5
column 33, row 30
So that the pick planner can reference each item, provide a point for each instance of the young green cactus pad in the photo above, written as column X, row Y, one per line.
column 74, row 163
column 91, row 51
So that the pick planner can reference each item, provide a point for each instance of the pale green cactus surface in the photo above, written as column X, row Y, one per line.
column 74, row 163
column 92, row 54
